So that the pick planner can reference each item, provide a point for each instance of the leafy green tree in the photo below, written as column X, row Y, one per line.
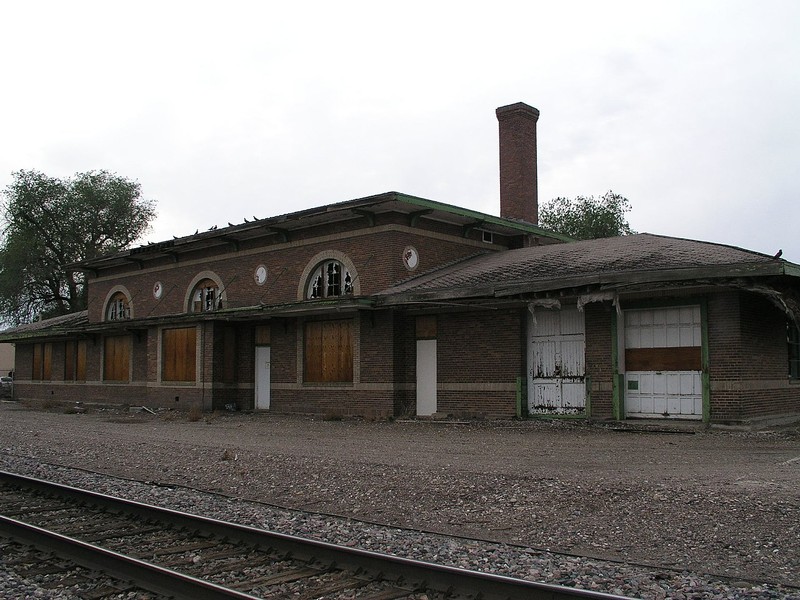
column 587, row 218
column 51, row 223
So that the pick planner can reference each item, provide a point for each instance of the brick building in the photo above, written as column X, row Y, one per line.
column 393, row 305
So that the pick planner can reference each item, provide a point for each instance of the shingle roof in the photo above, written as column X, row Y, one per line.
column 600, row 259
column 54, row 326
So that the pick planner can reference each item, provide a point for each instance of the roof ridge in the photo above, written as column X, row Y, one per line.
column 709, row 243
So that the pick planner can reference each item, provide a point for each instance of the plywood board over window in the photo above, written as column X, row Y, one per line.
column 426, row 327
column 36, row 367
column 178, row 354
column 42, row 361
column 117, row 358
column 329, row 351
column 262, row 335
column 75, row 361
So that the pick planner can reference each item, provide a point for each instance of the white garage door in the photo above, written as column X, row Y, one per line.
column 663, row 363
column 556, row 362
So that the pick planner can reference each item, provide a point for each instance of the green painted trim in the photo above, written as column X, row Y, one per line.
column 705, row 376
column 520, row 395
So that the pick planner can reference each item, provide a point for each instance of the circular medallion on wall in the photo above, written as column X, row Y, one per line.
column 260, row 275
column 410, row 258
column 158, row 290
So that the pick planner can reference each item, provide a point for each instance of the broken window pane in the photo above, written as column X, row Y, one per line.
column 118, row 308
column 206, row 297
column 329, row 280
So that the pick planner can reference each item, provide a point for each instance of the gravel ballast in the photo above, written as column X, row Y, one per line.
column 652, row 513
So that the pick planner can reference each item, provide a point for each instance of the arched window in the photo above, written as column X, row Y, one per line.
column 118, row 308
column 206, row 296
column 328, row 280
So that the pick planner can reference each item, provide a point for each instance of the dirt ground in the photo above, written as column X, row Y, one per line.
column 721, row 502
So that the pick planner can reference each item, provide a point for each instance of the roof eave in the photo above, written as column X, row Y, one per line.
column 705, row 273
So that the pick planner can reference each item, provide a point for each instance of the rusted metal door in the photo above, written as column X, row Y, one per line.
column 556, row 362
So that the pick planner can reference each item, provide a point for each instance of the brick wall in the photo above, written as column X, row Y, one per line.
column 377, row 258
column 748, row 359
column 599, row 358
column 480, row 355
column 405, row 364
column 370, row 395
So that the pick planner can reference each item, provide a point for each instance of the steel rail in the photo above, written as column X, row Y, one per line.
column 143, row 574
column 415, row 574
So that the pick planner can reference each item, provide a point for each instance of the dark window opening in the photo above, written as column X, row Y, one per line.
column 329, row 280
column 118, row 308
column 206, row 297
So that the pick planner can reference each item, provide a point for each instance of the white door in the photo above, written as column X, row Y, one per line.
column 426, row 377
column 262, row 377
column 662, row 369
column 556, row 362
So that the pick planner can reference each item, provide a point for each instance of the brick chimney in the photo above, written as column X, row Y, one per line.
column 519, row 197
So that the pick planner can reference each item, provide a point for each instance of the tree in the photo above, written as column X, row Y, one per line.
column 587, row 218
column 51, row 223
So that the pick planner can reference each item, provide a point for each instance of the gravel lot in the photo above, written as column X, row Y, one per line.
column 725, row 503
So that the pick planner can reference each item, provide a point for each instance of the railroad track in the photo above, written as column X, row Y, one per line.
column 179, row 555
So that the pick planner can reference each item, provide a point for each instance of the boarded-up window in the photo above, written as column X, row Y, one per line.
column 329, row 351
column 663, row 359
column 262, row 335
column 426, row 327
column 178, row 354
column 36, row 370
column 42, row 362
column 117, row 358
column 75, row 361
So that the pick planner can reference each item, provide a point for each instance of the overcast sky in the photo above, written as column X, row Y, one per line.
column 226, row 110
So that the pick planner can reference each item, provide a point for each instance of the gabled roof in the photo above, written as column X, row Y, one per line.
column 633, row 258
column 281, row 227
